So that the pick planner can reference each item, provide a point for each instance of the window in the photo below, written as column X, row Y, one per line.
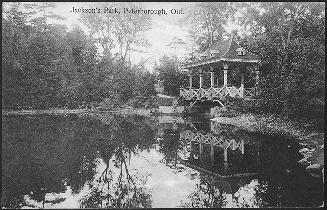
column 214, row 53
column 240, row 51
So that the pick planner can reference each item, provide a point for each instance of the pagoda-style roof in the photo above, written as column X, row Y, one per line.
column 225, row 50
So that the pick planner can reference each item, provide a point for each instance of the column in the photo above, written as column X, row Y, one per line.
column 201, row 152
column 225, row 167
column 212, row 78
column 212, row 74
column 212, row 151
column 190, row 81
column 225, row 73
column 257, row 74
column 225, row 160
column 201, row 78
column 225, row 154
column 242, row 85
column 256, row 68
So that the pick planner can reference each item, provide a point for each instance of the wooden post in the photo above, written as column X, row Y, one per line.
column 212, row 151
column 257, row 73
column 225, row 73
column 225, row 147
column 212, row 78
column 201, row 151
column 201, row 78
column 225, row 154
column 190, row 81
column 242, row 85
column 225, row 166
column 225, row 77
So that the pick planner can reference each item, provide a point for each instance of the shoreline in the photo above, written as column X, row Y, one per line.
column 269, row 124
column 254, row 123
column 46, row 111
column 123, row 111
column 312, row 141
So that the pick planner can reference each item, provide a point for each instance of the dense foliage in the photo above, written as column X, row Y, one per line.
column 170, row 75
column 290, row 39
column 46, row 65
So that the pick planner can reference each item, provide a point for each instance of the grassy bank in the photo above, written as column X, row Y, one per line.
column 271, row 124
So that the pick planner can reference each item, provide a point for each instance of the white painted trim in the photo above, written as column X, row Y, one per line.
column 240, row 60
column 219, row 59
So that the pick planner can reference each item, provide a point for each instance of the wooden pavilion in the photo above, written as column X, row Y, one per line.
column 228, row 64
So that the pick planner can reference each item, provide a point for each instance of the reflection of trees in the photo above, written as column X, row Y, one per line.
column 124, row 191
column 206, row 195
column 37, row 158
column 170, row 146
column 42, row 155
column 212, row 193
column 250, row 195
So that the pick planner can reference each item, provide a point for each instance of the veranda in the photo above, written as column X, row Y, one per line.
column 233, row 72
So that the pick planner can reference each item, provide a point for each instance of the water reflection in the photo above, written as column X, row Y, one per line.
column 109, row 161
column 240, row 169
column 207, row 152
column 43, row 155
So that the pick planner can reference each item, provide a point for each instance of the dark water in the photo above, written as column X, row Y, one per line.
column 112, row 161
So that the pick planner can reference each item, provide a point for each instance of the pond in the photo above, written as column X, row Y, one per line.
column 106, row 160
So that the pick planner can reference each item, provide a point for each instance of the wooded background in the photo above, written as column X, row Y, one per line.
column 46, row 65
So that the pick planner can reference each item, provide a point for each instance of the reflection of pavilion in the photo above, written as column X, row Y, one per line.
column 228, row 150
column 214, row 148
column 210, row 139
column 226, row 157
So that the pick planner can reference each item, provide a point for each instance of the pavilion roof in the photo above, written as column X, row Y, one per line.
column 225, row 50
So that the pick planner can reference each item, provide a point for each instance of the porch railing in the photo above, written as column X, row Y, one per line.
column 218, row 92
column 251, row 92
column 213, row 140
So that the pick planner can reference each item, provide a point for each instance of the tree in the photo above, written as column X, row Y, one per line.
column 171, row 77
column 206, row 21
column 290, row 39
column 43, row 65
column 124, row 30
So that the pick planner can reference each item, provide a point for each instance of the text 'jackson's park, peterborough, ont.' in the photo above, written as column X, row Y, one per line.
column 117, row 10
column 163, row 104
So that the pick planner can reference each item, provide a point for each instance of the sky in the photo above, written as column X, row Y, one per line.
column 164, row 29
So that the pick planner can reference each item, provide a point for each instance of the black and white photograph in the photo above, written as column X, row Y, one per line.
column 163, row 105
